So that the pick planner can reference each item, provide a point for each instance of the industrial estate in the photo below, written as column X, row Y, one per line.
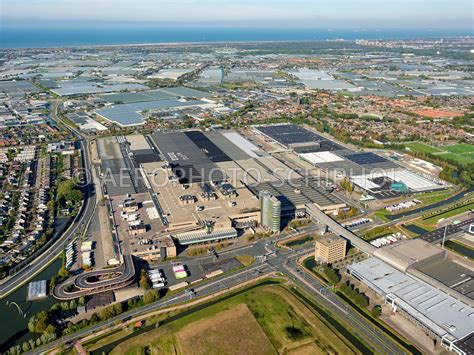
column 310, row 197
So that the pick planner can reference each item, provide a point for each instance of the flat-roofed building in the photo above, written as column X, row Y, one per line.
column 441, row 315
column 410, row 253
column 330, row 248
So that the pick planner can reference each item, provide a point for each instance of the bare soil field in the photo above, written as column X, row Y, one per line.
column 234, row 331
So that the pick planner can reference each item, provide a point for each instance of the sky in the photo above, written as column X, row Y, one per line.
column 337, row 14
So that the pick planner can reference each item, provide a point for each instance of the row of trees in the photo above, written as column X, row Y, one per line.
column 31, row 344
column 45, row 321
column 453, row 171
column 358, row 297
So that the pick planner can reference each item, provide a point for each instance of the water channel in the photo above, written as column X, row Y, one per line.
column 14, row 327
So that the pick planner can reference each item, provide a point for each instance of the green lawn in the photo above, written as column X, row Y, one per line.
column 429, row 198
column 450, row 213
column 461, row 148
column 423, row 148
column 459, row 158
column 461, row 153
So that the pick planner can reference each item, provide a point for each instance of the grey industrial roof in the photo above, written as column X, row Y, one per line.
column 298, row 192
column 451, row 274
column 229, row 148
column 17, row 86
column 84, row 87
column 441, row 313
column 188, row 161
column 154, row 95
column 201, row 237
column 130, row 97
column 127, row 114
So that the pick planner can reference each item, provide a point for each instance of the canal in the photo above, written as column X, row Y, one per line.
column 14, row 327
column 454, row 198
column 461, row 249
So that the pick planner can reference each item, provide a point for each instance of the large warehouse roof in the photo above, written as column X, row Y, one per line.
column 128, row 114
column 414, row 181
column 441, row 313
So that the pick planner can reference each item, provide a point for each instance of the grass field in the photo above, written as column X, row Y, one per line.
column 245, row 260
column 461, row 153
column 266, row 319
column 459, row 158
column 429, row 198
column 462, row 148
column 423, row 148
column 449, row 213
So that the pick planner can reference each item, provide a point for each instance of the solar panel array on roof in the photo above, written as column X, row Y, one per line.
column 287, row 134
column 365, row 158
column 213, row 152
column 290, row 134
column 188, row 161
column 145, row 156
column 297, row 192
column 78, row 118
column 321, row 146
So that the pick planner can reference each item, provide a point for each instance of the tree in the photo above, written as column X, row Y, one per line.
column 52, row 282
column 39, row 322
column 63, row 273
column 68, row 192
column 94, row 319
column 145, row 281
column 361, row 300
column 347, row 185
column 81, row 301
column 151, row 296
column 376, row 311
column 330, row 274
column 73, row 304
column 25, row 346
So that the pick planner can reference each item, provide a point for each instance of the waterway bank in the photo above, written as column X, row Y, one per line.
column 14, row 327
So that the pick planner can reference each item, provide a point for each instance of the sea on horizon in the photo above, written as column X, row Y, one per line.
column 64, row 37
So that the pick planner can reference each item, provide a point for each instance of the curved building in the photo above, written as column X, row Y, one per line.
column 270, row 208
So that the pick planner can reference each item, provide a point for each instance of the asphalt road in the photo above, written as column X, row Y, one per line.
column 437, row 235
column 273, row 260
column 125, row 275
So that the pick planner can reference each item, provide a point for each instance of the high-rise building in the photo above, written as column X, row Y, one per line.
column 270, row 210
column 330, row 248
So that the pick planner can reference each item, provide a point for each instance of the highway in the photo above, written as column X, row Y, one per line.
column 84, row 215
column 275, row 261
